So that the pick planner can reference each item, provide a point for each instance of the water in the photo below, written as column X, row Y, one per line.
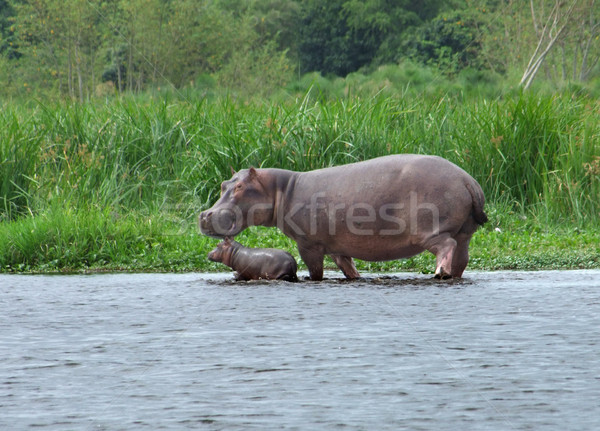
column 497, row 351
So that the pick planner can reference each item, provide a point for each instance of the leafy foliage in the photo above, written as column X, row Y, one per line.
column 87, row 48
column 84, row 48
column 448, row 42
column 339, row 37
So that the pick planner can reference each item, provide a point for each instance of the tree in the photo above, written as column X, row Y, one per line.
column 58, row 42
column 141, row 26
column 201, row 35
column 277, row 20
column 7, row 38
column 557, row 38
column 581, row 45
column 342, row 36
column 449, row 42
column 325, row 42
column 548, row 30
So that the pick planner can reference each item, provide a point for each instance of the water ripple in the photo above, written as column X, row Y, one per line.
column 501, row 350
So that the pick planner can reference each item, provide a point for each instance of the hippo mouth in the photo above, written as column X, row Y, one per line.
column 219, row 235
column 211, row 256
column 220, row 223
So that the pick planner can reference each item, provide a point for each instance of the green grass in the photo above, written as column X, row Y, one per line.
column 68, row 240
column 118, row 185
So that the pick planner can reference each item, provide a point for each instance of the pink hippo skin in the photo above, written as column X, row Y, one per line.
column 382, row 209
column 255, row 263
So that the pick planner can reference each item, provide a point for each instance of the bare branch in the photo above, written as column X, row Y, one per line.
column 554, row 33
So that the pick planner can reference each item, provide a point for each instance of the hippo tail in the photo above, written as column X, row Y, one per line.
column 478, row 202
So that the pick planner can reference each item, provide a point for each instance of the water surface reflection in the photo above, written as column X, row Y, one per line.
column 506, row 350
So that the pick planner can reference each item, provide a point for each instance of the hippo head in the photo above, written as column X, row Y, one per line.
column 245, row 201
column 222, row 253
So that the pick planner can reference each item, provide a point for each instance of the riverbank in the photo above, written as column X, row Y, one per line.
column 117, row 185
column 64, row 240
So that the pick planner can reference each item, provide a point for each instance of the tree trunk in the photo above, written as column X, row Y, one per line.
column 78, row 70
column 586, row 45
column 70, row 75
column 119, row 77
column 130, row 66
column 538, row 57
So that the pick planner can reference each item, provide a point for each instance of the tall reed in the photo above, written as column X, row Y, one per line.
column 539, row 154
column 19, row 156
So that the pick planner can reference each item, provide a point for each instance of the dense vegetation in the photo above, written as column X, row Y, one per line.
column 82, row 48
column 119, row 119
column 537, row 153
column 120, row 184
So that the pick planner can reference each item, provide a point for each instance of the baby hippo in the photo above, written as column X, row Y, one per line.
column 255, row 263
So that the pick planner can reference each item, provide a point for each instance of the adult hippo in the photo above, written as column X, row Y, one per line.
column 381, row 209
column 255, row 263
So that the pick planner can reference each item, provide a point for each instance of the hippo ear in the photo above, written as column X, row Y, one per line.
column 227, row 240
column 255, row 176
column 252, row 173
column 232, row 170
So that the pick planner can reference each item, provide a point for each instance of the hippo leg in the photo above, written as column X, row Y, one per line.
column 239, row 277
column 461, row 255
column 346, row 264
column 443, row 246
column 313, row 258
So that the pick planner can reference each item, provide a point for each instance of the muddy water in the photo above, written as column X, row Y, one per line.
column 497, row 351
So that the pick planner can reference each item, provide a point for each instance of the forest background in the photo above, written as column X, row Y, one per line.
column 120, row 118
column 82, row 48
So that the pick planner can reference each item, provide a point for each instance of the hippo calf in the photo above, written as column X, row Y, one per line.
column 386, row 208
column 255, row 263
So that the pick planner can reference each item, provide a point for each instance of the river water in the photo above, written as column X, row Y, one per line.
column 495, row 351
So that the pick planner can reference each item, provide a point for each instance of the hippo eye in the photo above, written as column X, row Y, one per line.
column 238, row 186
